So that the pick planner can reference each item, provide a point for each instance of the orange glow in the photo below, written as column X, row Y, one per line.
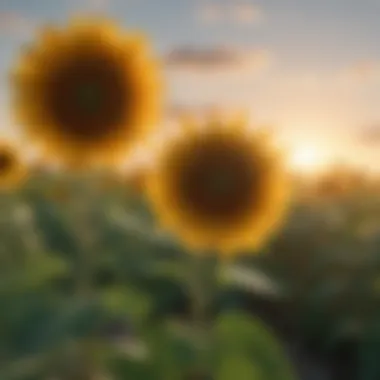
column 308, row 159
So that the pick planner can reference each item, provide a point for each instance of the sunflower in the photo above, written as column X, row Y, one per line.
column 220, row 187
column 87, row 93
column 12, row 170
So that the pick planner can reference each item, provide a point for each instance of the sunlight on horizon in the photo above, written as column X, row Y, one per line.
column 308, row 159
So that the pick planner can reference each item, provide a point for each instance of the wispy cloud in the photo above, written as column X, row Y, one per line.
column 84, row 6
column 97, row 5
column 238, row 13
column 217, row 59
column 15, row 24
column 363, row 71
column 369, row 136
column 246, row 14
column 210, row 13
column 204, row 110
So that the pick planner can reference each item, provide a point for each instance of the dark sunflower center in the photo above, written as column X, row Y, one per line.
column 218, row 183
column 6, row 162
column 221, row 182
column 88, row 97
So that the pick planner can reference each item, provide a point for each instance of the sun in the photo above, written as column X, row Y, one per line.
column 307, row 159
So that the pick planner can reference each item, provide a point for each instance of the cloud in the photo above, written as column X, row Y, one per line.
column 98, row 5
column 210, row 13
column 370, row 136
column 217, row 59
column 13, row 23
column 92, row 6
column 246, row 14
column 239, row 13
column 363, row 71
column 178, row 110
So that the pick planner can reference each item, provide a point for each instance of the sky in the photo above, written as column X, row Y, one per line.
column 308, row 69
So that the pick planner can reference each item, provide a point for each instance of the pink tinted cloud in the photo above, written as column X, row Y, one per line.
column 91, row 6
column 239, row 13
column 98, row 5
column 210, row 13
column 363, row 71
column 246, row 13
column 370, row 135
column 216, row 59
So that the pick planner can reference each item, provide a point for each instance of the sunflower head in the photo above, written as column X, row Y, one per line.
column 220, row 187
column 88, row 92
column 12, row 170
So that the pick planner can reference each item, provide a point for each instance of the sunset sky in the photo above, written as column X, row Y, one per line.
column 310, row 69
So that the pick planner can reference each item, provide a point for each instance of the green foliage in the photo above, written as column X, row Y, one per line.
column 247, row 349
column 90, row 279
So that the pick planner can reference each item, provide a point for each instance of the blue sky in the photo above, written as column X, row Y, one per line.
column 309, row 68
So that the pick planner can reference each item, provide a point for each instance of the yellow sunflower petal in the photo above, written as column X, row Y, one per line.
column 90, row 92
column 219, row 188
column 12, row 169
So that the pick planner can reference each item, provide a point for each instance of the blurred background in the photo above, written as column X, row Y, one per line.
column 91, row 288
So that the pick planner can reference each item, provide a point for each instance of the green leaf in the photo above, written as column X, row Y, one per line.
column 29, row 368
column 239, row 335
column 127, row 300
column 122, row 368
column 239, row 367
column 38, row 323
column 249, row 279
column 172, row 355
column 33, row 274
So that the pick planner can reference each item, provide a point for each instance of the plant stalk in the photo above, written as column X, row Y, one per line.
column 202, row 291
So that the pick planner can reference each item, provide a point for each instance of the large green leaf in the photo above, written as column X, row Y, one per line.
column 127, row 300
column 120, row 367
column 239, row 335
column 35, row 272
column 239, row 367
column 249, row 279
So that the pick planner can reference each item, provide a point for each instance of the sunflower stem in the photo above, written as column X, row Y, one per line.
column 81, row 222
column 85, row 265
column 201, row 286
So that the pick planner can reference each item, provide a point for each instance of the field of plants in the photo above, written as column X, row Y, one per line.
column 91, row 288
column 209, row 263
